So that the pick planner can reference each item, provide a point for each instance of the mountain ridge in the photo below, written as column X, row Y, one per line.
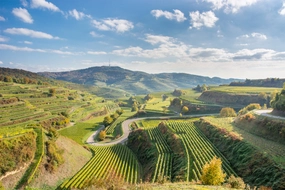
column 136, row 82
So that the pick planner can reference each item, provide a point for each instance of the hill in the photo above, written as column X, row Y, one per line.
column 269, row 82
column 134, row 81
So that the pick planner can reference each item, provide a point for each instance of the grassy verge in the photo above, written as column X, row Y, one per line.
column 82, row 130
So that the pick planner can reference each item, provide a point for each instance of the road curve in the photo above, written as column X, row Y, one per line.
column 266, row 113
column 126, row 129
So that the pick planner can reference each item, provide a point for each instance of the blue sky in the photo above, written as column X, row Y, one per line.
column 224, row 38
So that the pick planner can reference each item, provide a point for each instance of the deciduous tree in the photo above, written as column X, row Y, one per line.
column 212, row 173
column 228, row 112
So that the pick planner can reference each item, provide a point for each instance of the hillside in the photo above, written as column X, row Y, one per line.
column 238, row 96
column 134, row 81
column 269, row 82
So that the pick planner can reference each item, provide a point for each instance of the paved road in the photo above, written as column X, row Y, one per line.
column 126, row 129
column 266, row 113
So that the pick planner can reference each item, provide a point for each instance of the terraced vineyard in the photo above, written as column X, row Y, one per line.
column 22, row 104
column 118, row 159
column 164, row 160
column 198, row 148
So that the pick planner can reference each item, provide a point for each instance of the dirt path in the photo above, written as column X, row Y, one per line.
column 126, row 129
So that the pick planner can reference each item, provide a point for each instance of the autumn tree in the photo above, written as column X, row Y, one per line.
column 248, row 108
column 102, row 135
column 212, row 173
column 228, row 112
column 107, row 120
column 52, row 91
column 185, row 109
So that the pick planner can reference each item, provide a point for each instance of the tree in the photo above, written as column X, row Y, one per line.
column 52, row 91
column 102, row 135
column 185, row 109
column 148, row 97
column 212, row 173
column 164, row 97
column 107, row 120
column 204, row 88
column 228, row 112
column 176, row 102
column 248, row 108
column 8, row 79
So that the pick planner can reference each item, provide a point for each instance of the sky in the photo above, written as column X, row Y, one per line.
column 216, row 38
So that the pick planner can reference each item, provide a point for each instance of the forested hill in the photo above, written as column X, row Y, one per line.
column 134, row 81
column 22, row 76
column 269, row 82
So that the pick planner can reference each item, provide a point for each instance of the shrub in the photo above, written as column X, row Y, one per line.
column 248, row 108
column 212, row 173
column 228, row 112
column 236, row 182
column 185, row 109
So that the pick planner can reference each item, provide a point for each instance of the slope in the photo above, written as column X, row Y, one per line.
column 134, row 81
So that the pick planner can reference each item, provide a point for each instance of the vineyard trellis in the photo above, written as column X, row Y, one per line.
column 198, row 148
column 117, row 158
column 163, row 165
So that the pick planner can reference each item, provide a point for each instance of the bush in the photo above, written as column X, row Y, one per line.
column 236, row 182
column 228, row 112
column 212, row 173
column 249, row 108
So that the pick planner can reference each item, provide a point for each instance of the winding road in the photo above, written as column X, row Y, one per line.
column 266, row 113
column 126, row 129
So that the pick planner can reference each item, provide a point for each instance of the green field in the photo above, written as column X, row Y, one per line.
column 244, row 89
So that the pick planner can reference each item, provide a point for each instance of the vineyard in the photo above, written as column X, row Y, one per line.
column 164, row 161
column 198, row 148
column 118, row 159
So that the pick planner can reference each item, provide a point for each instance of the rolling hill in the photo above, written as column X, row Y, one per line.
column 134, row 81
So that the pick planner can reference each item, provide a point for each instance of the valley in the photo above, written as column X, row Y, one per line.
column 60, row 135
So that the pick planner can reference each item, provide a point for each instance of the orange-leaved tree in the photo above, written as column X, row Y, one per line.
column 212, row 173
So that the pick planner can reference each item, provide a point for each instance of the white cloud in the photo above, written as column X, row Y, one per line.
column 3, row 39
column 15, row 48
column 27, row 49
column 30, row 33
column 209, row 54
column 78, row 15
column 11, row 63
column 1, row 62
column 97, row 52
column 253, row 54
column 167, row 47
column 155, row 39
column 62, row 52
column 23, row 14
column 118, row 25
column 177, row 15
column 259, row 36
column 2, row 18
column 207, row 19
column 44, row 5
column 282, row 10
column 253, row 35
column 28, row 42
column 95, row 35
column 230, row 6
column 24, row 3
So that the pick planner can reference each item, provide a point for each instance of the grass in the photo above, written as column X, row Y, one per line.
column 244, row 89
column 150, row 123
column 156, row 104
column 82, row 130
column 276, row 150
